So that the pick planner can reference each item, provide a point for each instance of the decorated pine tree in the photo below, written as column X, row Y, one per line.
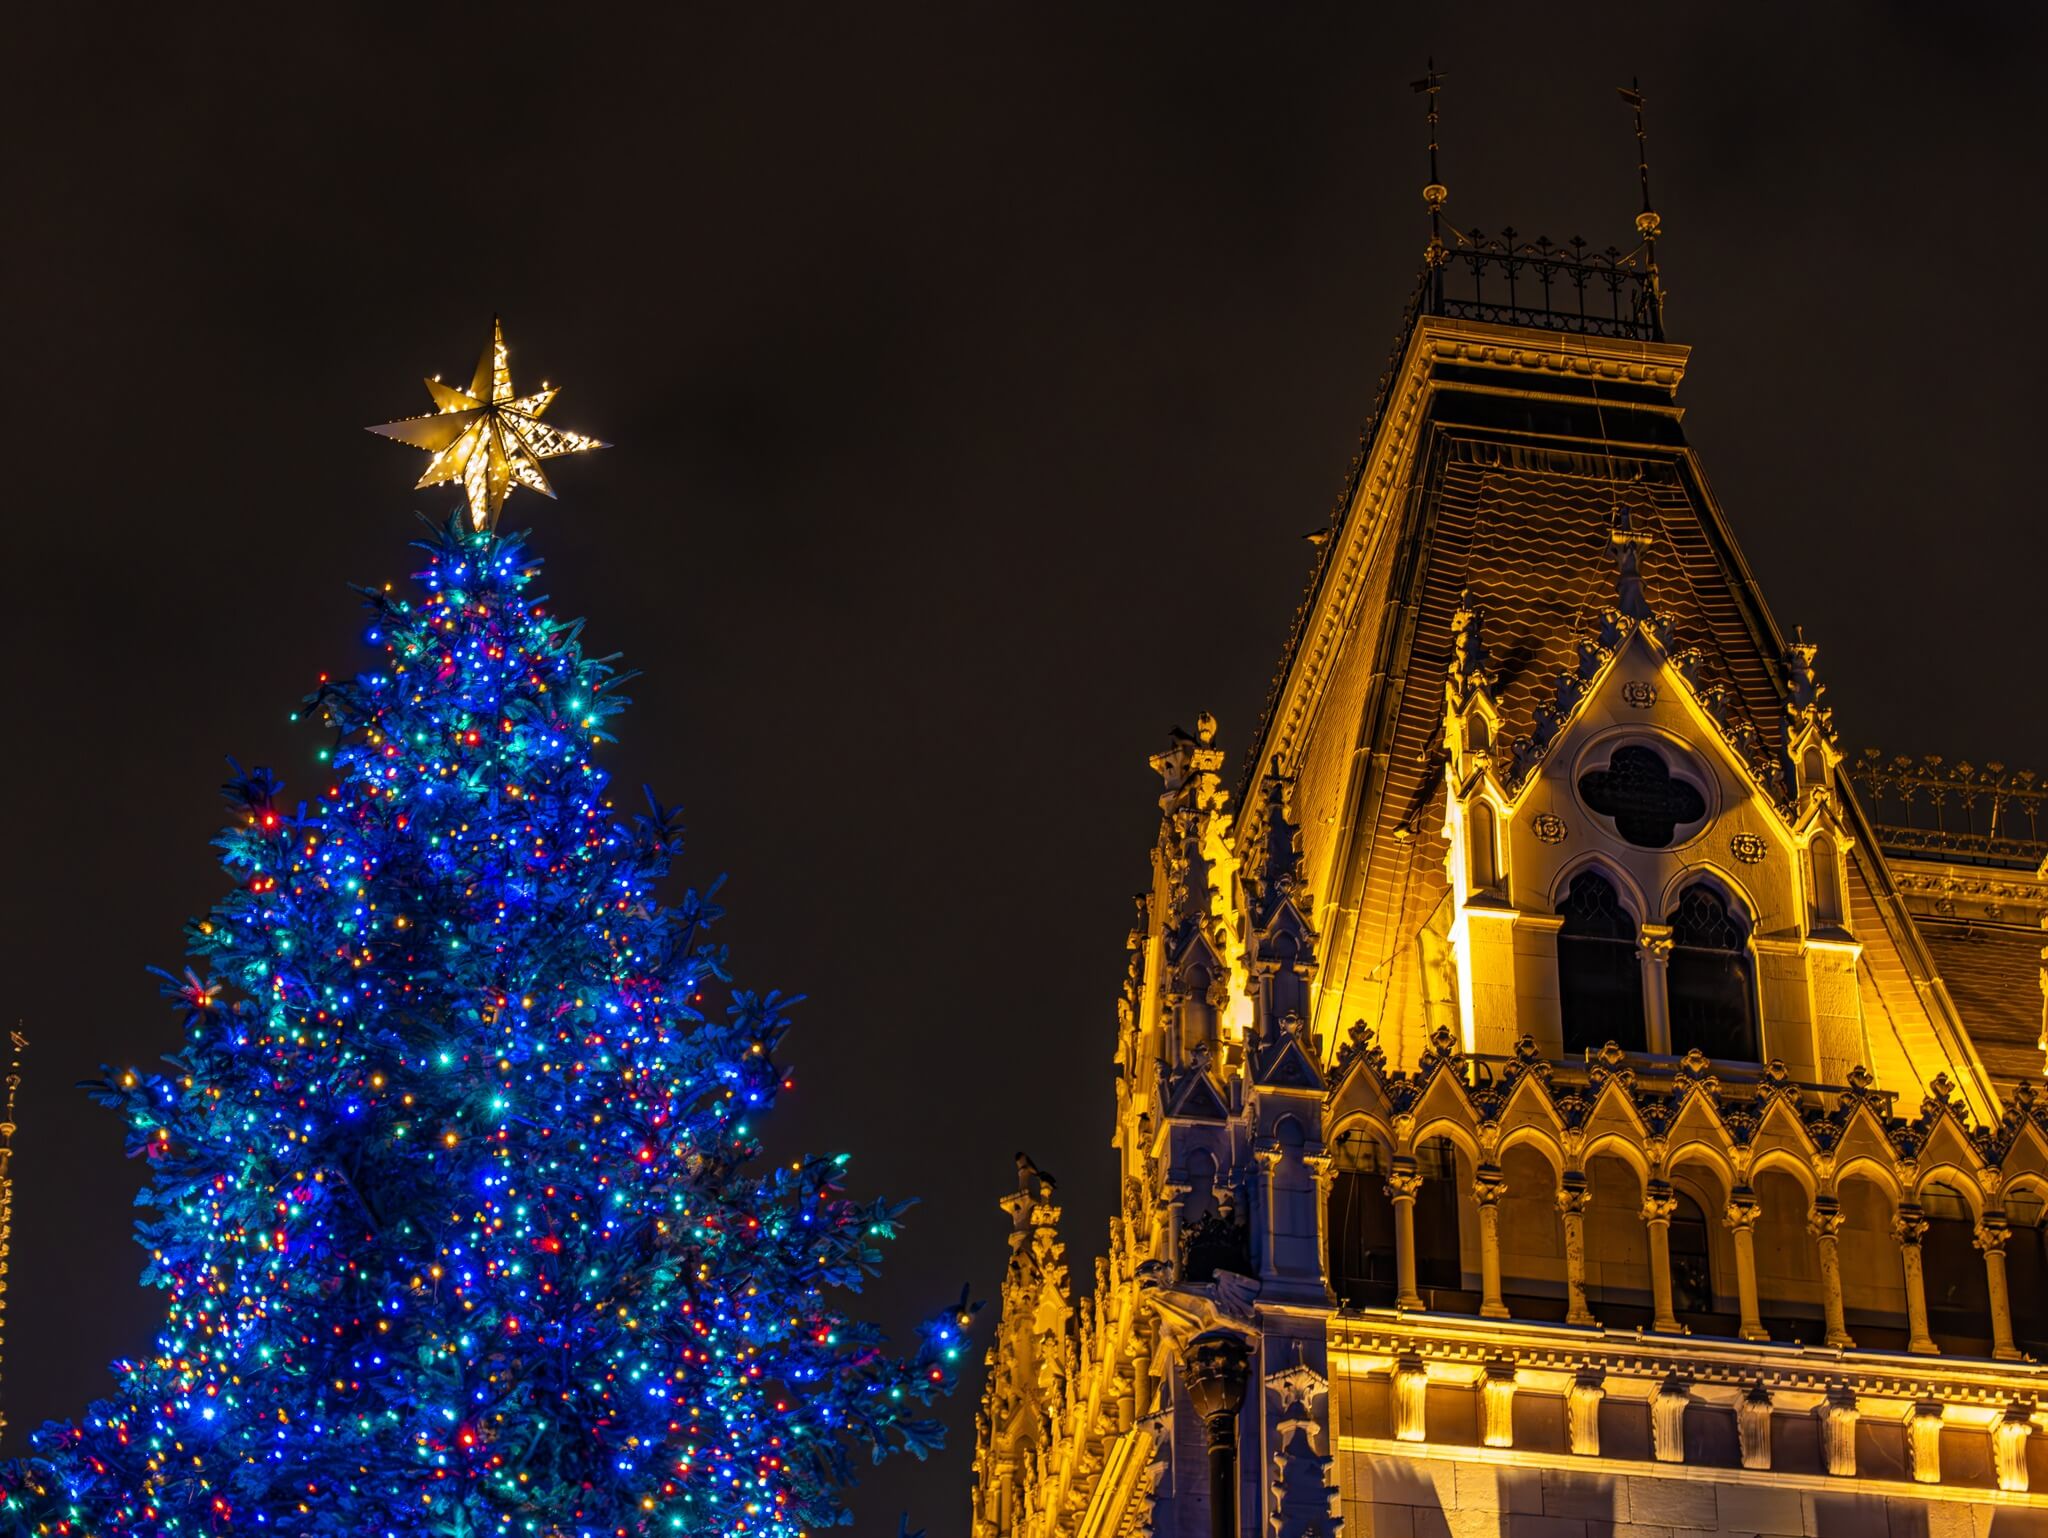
column 456, row 1181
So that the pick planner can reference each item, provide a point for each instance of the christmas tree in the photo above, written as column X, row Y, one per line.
column 456, row 1184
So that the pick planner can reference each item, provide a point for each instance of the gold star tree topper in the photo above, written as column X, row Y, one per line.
column 488, row 437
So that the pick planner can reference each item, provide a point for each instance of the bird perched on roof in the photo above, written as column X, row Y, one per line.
column 1027, row 1172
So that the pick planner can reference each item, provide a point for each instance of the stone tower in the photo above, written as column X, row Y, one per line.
column 1556, row 1092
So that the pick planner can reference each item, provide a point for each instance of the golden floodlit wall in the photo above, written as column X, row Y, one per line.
column 1546, row 1101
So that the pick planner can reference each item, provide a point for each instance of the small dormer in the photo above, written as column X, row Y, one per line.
column 1814, row 757
column 1638, row 870
column 1471, row 728
column 1471, row 717
column 1810, row 745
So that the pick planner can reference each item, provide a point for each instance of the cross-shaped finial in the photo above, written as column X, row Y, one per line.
column 1648, row 225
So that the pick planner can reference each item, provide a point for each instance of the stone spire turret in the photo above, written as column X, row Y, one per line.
column 1029, row 1361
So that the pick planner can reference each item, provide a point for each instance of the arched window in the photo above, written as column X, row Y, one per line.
column 1827, row 881
column 1599, row 979
column 2026, row 1269
column 1483, row 847
column 1952, row 1270
column 1361, row 1223
column 1692, row 1267
column 1437, row 1260
column 1813, row 768
column 1712, row 982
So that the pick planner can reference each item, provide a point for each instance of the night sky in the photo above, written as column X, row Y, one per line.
column 974, row 373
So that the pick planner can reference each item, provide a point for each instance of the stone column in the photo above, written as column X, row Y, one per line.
column 1837, row 1415
column 1909, row 1228
column 1923, row 1441
column 1173, row 1196
column 1404, row 1181
column 1322, row 1169
column 1411, row 1399
column 1753, row 1427
column 1571, row 1204
column 2009, row 1444
column 1217, row 1372
column 1582, row 1412
column 1487, row 1190
column 1659, row 1203
column 1497, row 1404
column 1268, row 1155
column 1826, row 1226
column 1991, row 1236
column 1139, row 1352
column 1742, row 1215
column 1656, row 943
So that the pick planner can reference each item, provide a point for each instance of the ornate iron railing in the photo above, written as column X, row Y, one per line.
column 1512, row 282
column 1929, row 806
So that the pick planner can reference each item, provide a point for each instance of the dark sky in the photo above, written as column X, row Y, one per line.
column 974, row 373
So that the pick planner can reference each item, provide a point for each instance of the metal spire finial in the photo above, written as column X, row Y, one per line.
column 1436, row 194
column 1648, row 225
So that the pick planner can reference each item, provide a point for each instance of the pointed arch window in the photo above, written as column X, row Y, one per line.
column 1361, row 1223
column 1692, row 1267
column 1483, row 838
column 1438, row 1263
column 1599, row 978
column 1827, row 882
column 1711, row 978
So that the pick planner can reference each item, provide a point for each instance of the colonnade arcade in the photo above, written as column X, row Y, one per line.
column 1685, row 1198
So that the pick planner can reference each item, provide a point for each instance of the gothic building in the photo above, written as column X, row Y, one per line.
column 1557, row 1092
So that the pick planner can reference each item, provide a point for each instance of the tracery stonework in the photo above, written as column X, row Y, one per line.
column 1775, row 1266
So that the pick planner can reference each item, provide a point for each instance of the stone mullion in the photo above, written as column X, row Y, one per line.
column 1656, row 950
column 1909, row 1228
column 1404, row 1183
column 1659, row 1203
column 1743, row 1211
column 1826, row 1227
column 1322, row 1170
column 1991, row 1236
column 1487, row 1191
column 1571, row 1206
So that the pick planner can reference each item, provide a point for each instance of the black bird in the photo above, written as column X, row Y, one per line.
column 1028, row 1172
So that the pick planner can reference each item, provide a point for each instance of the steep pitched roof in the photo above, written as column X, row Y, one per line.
column 1499, row 459
column 1993, row 972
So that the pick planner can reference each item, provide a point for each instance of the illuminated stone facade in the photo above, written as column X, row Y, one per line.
column 1548, row 1101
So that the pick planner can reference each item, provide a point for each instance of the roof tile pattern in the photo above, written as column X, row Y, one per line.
column 1529, row 541
column 1993, row 972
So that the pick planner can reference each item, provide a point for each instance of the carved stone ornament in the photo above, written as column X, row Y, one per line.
column 1549, row 827
column 1647, row 802
column 1749, row 848
column 1639, row 694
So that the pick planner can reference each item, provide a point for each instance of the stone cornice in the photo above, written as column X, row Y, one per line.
column 1863, row 1485
column 1456, row 1346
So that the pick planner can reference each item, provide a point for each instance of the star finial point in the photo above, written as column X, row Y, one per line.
column 487, row 438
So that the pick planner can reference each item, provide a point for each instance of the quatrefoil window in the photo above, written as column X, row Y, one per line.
column 1637, row 789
